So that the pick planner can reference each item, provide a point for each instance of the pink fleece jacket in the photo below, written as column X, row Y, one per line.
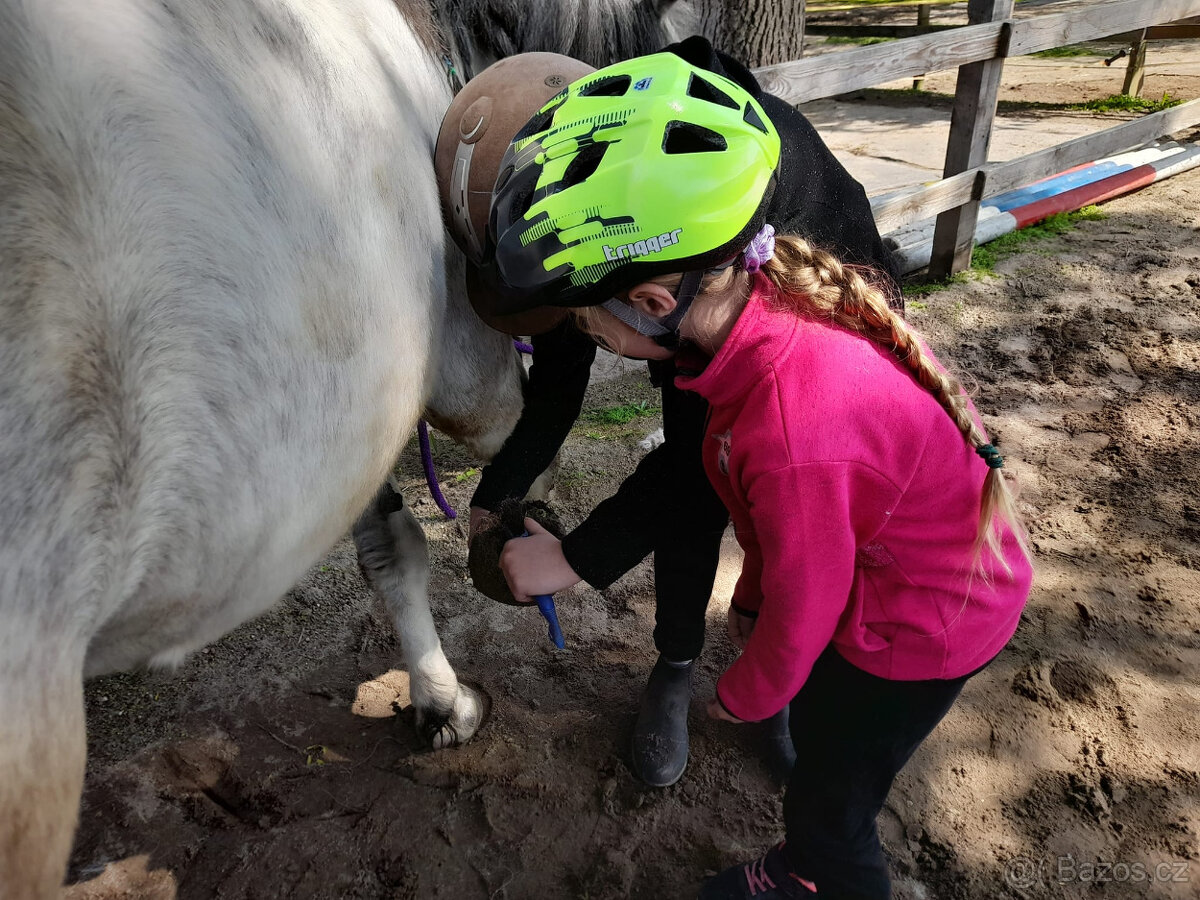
column 856, row 500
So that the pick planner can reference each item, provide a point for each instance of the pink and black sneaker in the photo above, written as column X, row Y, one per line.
column 767, row 878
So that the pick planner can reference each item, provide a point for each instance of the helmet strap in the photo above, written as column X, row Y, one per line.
column 689, row 286
column 664, row 331
column 635, row 319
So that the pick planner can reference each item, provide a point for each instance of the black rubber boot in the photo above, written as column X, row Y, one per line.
column 660, row 737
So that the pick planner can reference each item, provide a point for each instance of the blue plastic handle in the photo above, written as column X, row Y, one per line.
column 545, row 605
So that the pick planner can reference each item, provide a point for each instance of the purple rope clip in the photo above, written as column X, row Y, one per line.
column 759, row 250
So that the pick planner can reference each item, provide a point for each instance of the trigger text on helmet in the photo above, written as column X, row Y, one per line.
column 642, row 248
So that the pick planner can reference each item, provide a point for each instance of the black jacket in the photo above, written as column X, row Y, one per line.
column 815, row 197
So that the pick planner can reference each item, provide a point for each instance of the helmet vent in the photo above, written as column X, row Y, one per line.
column 583, row 165
column 609, row 86
column 752, row 118
column 685, row 137
column 538, row 122
column 704, row 90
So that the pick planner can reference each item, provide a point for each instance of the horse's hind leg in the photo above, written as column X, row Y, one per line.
column 395, row 560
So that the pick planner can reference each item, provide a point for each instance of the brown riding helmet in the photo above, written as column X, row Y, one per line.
column 475, row 133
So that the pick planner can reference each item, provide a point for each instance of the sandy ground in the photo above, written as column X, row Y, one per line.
column 274, row 764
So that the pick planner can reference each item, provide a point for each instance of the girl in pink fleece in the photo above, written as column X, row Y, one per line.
column 884, row 561
column 869, row 504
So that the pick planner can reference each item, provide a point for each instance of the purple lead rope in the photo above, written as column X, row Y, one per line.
column 435, row 489
column 431, row 476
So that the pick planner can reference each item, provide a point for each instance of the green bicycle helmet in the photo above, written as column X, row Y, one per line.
column 642, row 168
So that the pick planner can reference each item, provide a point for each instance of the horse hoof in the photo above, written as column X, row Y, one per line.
column 471, row 707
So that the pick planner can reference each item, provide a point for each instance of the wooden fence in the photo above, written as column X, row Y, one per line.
column 978, row 50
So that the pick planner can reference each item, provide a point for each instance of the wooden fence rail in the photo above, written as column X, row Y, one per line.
column 978, row 50
column 838, row 73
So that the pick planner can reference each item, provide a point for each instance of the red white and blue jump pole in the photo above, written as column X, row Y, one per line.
column 1068, row 191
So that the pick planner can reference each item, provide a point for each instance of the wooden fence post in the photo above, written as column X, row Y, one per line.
column 971, row 122
column 1135, row 73
column 922, row 20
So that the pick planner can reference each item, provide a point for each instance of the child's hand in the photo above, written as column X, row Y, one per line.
column 739, row 627
column 717, row 711
column 535, row 565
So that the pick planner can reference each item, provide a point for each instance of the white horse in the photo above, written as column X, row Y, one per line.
column 223, row 305
column 225, row 298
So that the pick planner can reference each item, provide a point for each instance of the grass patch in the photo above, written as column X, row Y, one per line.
column 901, row 96
column 1125, row 103
column 613, row 423
column 1072, row 50
column 925, row 288
column 1115, row 103
column 580, row 477
column 856, row 41
column 987, row 256
column 622, row 414
column 846, row 4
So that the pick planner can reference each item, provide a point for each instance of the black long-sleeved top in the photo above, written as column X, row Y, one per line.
column 816, row 198
column 558, row 379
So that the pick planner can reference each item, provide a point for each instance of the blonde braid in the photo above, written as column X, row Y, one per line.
column 815, row 282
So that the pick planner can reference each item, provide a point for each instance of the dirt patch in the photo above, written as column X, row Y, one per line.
column 275, row 765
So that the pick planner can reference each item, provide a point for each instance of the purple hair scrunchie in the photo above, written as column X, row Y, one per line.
column 760, row 249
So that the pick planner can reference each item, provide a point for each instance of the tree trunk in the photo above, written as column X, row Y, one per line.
column 757, row 32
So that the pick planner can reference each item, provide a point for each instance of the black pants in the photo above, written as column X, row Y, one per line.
column 688, row 549
column 853, row 733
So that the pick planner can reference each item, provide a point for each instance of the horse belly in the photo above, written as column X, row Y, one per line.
column 232, row 255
